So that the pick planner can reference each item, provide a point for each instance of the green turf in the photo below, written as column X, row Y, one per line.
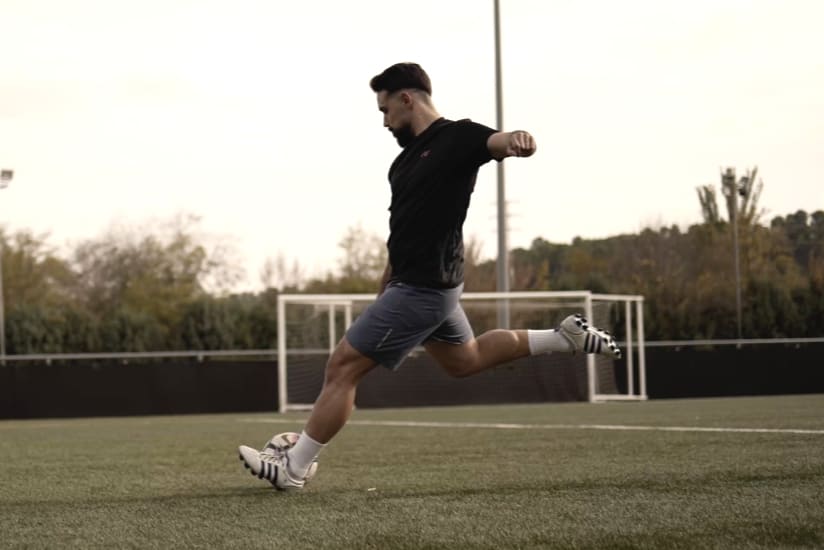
column 176, row 482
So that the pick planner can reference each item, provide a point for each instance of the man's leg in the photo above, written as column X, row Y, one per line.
column 491, row 348
column 344, row 370
column 499, row 346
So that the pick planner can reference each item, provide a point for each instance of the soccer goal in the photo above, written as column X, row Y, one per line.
column 310, row 326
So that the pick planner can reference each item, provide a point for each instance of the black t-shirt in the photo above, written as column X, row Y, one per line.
column 432, row 180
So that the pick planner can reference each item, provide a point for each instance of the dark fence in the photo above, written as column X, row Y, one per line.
column 719, row 371
column 109, row 388
column 72, row 388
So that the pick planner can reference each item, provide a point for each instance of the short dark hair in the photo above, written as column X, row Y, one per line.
column 401, row 76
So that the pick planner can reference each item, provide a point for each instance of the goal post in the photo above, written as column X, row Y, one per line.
column 630, row 347
column 310, row 326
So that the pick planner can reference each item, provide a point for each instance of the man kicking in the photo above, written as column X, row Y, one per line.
column 431, row 180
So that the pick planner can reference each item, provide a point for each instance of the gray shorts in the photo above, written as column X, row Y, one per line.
column 404, row 317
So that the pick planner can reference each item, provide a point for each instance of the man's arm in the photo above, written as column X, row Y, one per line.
column 511, row 144
column 387, row 274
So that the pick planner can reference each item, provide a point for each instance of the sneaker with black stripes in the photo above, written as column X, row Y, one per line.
column 273, row 467
column 584, row 337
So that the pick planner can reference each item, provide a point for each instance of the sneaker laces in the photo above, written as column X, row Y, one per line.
column 278, row 457
column 603, row 336
column 270, row 452
column 272, row 457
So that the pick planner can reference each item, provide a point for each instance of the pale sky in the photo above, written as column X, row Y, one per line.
column 256, row 114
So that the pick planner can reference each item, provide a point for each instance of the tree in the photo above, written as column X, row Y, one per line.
column 479, row 276
column 277, row 274
column 805, row 234
column 144, row 290
column 363, row 261
column 211, row 323
column 126, row 329
column 32, row 272
column 709, row 204
column 139, row 275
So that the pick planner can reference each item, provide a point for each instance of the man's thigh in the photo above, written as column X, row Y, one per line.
column 403, row 317
column 455, row 329
column 453, row 343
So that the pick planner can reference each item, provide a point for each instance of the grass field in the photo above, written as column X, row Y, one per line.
column 704, row 473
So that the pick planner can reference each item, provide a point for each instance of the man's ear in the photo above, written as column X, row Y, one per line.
column 406, row 98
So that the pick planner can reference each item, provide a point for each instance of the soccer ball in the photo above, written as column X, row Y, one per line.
column 282, row 442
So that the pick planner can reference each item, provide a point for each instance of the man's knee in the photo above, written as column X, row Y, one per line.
column 346, row 365
column 337, row 370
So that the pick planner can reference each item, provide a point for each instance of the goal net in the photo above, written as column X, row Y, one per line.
column 311, row 325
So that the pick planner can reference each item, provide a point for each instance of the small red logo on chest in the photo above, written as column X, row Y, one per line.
column 425, row 154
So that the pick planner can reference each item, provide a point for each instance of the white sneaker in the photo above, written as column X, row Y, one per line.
column 271, row 467
column 583, row 337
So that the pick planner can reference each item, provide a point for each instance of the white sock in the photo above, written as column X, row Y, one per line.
column 547, row 341
column 301, row 456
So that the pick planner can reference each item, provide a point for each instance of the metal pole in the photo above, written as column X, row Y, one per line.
column 5, row 179
column 737, row 274
column 332, row 337
column 734, row 191
column 2, row 308
column 503, row 252
column 282, row 395
column 628, row 350
column 592, row 388
column 642, row 357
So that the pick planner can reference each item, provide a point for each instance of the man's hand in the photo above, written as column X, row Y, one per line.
column 521, row 144
column 511, row 144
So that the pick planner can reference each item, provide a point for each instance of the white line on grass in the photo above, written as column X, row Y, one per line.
column 497, row 426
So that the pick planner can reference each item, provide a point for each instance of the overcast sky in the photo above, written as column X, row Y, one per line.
column 257, row 115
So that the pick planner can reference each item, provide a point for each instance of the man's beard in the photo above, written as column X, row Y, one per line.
column 403, row 135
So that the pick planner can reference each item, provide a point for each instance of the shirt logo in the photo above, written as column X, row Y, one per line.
column 425, row 154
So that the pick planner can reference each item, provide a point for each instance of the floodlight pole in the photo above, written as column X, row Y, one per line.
column 737, row 260
column 731, row 189
column 5, row 179
column 503, row 248
column 2, row 307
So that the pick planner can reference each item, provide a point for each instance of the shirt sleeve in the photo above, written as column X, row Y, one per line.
column 473, row 137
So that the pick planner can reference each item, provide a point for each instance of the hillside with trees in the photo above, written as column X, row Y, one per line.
column 165, row 290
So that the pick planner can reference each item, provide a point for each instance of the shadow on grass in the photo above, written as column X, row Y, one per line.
column 223, row 494
column 332, row 494
column 660, row 483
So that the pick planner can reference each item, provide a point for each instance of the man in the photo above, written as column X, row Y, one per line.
column 418, row 303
